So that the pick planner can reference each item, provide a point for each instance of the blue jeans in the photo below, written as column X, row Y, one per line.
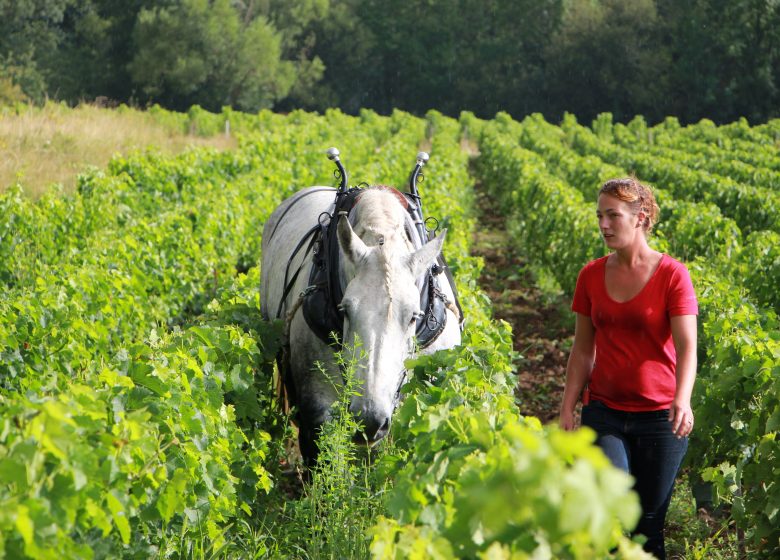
column 642, row 444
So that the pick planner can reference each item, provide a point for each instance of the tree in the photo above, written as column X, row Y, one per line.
column 607, row 55
column 28, row 30
column 726, row 58
column 92, row 58
column 296, row 21
column 201, row 52
column 481, row 55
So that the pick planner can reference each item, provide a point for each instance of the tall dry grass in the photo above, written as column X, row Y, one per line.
column 43, row 146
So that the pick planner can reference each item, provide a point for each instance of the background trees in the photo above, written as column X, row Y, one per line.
column 483, row 55
column 208, row 53
column 608, row 56
column 718, row 59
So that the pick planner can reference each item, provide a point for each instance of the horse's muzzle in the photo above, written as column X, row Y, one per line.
column 375, row 422
column 375, row 427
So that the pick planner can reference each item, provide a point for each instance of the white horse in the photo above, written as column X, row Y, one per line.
column 381, row 271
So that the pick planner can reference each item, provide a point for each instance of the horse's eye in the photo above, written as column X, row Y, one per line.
column 416, row 317
column 342, row 308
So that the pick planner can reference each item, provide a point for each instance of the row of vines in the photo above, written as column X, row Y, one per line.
column 720, row 213
column 137, row 409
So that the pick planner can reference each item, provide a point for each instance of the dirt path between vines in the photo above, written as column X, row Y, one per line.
column 542, row 324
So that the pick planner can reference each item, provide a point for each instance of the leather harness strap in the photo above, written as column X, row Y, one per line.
column 293, row 203
column 288, row 285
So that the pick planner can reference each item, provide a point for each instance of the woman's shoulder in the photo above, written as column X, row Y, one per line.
column 672, row 265
column 675, row 272
column 594, row 265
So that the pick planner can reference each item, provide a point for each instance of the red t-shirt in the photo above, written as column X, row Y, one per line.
column 635, row 361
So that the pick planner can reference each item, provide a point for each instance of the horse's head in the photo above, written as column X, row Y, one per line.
column 381, row 304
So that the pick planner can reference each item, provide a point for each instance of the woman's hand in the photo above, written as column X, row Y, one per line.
column 681, row 417
column 568, row 421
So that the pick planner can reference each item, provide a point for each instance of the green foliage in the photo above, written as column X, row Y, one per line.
column 752, row 206
column 693, row 536
column 339, row 504
column 688, row 229
column 137, row 413
column 10, row 92
column 407, row 54
column 738, row 399
column 697, row 59
column 755, row 164
column 699, row 229
column 136, row 391
column 544, row 212
column 28, row 30
column 476, row 479
column 471, row 477
column 730, row 59
column 144, row 439
column 759, row 265
column 583, row 55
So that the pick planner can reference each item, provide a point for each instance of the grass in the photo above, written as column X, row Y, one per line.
column 49, row 145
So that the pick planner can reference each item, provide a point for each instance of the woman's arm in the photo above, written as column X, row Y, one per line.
column 578, row 368
column 684, row 336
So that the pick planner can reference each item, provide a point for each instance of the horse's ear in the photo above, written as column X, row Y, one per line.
column 350, row 243
column 425, row 256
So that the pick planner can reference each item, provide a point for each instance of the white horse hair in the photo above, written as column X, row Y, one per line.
column 381, row 272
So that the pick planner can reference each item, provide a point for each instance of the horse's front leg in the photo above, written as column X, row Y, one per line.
column 316, row 393
column 310, row 421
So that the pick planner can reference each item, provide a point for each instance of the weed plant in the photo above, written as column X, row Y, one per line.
column 340, row 499
column 336, row 507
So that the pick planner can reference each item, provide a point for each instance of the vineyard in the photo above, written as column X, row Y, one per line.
column 138, row 416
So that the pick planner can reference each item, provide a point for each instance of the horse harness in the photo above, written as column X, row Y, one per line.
column 322, row 297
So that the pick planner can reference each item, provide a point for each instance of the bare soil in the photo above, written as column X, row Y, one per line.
column 542, row 324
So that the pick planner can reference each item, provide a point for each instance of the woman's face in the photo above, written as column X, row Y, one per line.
column 618, row 224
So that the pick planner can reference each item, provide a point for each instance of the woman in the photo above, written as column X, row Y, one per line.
column 634, row 353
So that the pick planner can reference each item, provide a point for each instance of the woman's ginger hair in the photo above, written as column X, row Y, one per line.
column 638, row 195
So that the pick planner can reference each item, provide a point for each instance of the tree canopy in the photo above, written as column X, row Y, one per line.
column 718, row 59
